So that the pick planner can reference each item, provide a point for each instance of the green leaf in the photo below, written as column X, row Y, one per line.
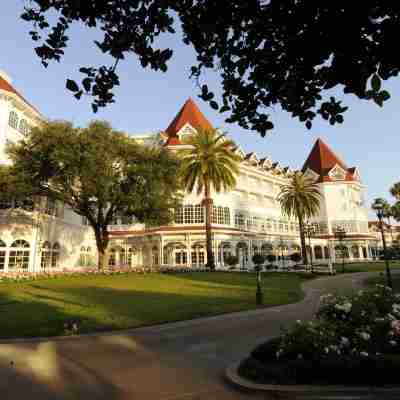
column 72, row 86
column 378, row 100
column 87, row 84
column 385, row 95
column 339, row 119
column 376, row 83
column 214, row 105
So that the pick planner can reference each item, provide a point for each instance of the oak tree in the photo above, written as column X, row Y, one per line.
column 267, row 52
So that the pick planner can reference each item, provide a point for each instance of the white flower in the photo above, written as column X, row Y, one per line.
column 300, row 356
column 364, row 354
column 326, row 349
column 365, row 335
column 346, row 307
column 393, row 342
column 344, row 341
column 396, row 308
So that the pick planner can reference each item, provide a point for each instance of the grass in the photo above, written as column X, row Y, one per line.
column 99, row 303
column 365, row 267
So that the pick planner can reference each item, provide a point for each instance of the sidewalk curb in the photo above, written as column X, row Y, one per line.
column 361, row 392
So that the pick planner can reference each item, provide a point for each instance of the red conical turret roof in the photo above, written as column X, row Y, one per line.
column 322, row 159
column 191, row 114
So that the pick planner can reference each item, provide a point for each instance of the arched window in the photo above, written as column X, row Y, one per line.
column 85, row 257
column 19, row 255
column 131, row 253
column 2, row 255
column 55, row 255
column 180, row 255
column 13, row 120
column 112, row 258
column 318, row 252
column 266, row 249
column 45, row 259
column 355, row 252
column 326, row 252
column 341, row 252
column 154, row 255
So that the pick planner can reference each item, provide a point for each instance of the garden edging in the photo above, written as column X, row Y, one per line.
column 233, row 377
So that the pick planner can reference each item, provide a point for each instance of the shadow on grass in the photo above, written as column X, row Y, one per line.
column 42, row 311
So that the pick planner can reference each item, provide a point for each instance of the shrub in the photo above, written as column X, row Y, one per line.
column 231, row 260
column 351, row 333
column 295, row 257
column 271, row 258
column 258, row 260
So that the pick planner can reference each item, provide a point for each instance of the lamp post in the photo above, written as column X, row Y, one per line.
column 282, row 247
column 380, row 213
column 340, row 234
column 309, row 231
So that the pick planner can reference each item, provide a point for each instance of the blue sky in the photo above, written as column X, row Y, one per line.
column 147, row 101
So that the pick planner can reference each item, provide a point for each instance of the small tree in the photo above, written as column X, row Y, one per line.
column 258, row 260
column 99, row 174
column 295, row 257
column 231, row 260
column 271, row 258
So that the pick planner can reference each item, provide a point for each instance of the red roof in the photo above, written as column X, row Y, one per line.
column 191, row 114
column 4, row 85
column 322, row 159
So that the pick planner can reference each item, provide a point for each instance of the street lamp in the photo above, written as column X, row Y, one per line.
column 282, row 246
column 379, row 208
column 309, row 231
column 340, row 234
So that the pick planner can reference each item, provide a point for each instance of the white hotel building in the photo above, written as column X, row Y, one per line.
column 245, row 221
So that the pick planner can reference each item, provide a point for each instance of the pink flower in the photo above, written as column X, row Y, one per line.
column 396, row 327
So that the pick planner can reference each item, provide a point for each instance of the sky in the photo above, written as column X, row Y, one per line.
column 147, row 101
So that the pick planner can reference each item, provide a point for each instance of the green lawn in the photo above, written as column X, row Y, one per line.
column 97, row 303
column 365, row 267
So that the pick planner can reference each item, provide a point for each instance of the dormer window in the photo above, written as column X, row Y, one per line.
column 337, row 173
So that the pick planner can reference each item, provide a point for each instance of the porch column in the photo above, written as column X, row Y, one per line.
column 161, row 251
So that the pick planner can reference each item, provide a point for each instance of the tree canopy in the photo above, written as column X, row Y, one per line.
column 98, row 173
column 267, row 52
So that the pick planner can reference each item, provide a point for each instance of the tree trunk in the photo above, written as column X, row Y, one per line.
column 303, row 242
column 102, row 240
column 208, row 206
column 102, row 261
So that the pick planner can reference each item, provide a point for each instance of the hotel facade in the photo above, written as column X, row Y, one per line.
column 245, row 221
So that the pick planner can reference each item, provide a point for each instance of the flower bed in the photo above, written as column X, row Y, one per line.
column 22, row 275
column 354, row 340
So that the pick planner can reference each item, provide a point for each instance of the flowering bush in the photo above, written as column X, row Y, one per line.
column 354, row 340
column 366, row 323
column 23, row 275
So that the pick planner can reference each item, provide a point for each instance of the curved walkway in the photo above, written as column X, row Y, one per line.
column 182, row 360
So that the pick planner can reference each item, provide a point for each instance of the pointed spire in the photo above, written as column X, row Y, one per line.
column 190, row 114
column 322, row 159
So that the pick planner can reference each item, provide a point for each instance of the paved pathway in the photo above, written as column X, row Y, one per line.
column 178, row 361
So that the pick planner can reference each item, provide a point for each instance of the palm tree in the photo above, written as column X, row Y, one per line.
column 300, row 198
column 395, row 211
column 209, row 164
column 395, row 190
